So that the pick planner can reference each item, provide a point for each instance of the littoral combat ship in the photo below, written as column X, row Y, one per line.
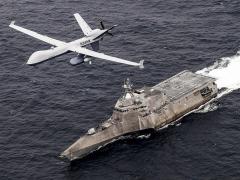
column 147, row 108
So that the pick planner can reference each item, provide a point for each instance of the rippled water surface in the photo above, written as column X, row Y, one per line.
column 45, row 108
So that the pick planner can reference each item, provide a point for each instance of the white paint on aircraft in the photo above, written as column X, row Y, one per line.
column 91, row 37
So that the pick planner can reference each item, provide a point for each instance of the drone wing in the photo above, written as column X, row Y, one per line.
column 91, row 53
column 84, row 26
column 43, row 55
column 44, row 38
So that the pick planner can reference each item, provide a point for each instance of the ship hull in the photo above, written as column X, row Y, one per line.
column 152, row 108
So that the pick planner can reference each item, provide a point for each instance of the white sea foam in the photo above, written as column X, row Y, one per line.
column 208, row 108
column 226, row 71
column 144, row 136
column 227, row 74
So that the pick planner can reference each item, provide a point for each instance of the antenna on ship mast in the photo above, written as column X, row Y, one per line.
column 128, row 89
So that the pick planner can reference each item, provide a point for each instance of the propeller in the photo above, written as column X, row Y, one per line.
column 108, row 30
column 109, row 33
column 102, row 25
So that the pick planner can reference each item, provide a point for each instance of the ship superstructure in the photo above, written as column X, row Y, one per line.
column 147, row 108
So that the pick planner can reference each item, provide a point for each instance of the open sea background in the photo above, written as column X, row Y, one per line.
column 45, row 108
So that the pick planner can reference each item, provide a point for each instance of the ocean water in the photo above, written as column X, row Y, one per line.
column 45, row 108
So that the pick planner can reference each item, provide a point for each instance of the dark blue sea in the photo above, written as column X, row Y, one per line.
column 45, row 108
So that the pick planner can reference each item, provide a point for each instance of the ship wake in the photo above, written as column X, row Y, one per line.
column 227, row 74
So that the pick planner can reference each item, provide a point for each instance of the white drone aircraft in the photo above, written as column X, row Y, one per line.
column 91, row 37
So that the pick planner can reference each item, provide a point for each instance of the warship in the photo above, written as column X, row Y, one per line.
column 147, row 108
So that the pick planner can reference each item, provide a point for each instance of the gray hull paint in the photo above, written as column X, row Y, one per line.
column 147, row 108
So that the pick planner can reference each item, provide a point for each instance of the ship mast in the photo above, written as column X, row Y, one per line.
column 128, row 89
